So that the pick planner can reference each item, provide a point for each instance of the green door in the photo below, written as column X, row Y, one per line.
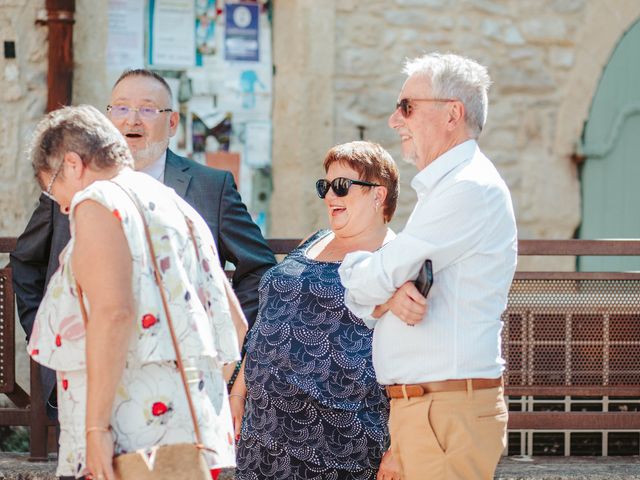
column 610, row 175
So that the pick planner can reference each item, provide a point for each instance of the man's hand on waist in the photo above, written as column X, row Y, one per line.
column 407, row 303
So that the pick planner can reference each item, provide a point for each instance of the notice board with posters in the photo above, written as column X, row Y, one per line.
column 216, row 56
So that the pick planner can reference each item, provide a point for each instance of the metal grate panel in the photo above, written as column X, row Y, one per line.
column 576, row 336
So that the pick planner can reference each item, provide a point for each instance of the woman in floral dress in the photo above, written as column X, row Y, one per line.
column 119, row 388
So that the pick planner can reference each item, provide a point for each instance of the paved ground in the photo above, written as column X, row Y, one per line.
column 15, row 467
column 574, row 468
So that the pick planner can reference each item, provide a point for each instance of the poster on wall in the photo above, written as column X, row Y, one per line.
column 125, row 38
column 206, row 16
column 172, row 42
column 248, row 91
column 241, row 36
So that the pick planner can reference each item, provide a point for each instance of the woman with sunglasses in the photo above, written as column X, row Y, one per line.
column 312, row 407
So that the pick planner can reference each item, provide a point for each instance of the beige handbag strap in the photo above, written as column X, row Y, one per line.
column 165, row 305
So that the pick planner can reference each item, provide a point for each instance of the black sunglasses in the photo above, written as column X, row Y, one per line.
column 339, row 185
column 405, row 104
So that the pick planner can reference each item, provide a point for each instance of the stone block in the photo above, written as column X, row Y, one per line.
column 13, row 92
column 360, row 31
column 437, row 38
column 377, row 104
column 568, row 6
column 348, row 85
column 38, row 47
column 545, row 30
column 522, row 53
column 499, row 138
column 502, row 30
column 11, row 71
column 407, row 18
column 496, row 8
column 421, row 3
column 358, row 60
column 517, row 79
column 561, row 57
column 346, row 5
column 464, row 22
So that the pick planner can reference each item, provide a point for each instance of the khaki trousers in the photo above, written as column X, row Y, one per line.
column 449, row 435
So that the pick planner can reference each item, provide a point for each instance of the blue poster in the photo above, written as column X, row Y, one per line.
column 241, row 32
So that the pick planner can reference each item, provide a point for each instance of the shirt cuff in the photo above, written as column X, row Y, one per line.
column 363, row 312
column 346, row 269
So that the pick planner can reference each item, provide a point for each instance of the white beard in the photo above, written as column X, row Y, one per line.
column 411, row 160
column 143, row 157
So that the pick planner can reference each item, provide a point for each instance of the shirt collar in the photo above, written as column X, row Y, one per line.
column 436, row 170
column 156, row 169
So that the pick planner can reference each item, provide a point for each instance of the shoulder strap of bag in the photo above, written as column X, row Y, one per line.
column 165, row 305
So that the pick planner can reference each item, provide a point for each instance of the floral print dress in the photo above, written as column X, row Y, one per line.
column 150, row 406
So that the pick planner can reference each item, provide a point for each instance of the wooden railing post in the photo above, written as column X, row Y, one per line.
column 38, row 419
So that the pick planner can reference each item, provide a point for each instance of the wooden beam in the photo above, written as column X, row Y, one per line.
column 574, row 420
column 578, row 247
column 14, row 417
column 576, row 390
column 7, row 244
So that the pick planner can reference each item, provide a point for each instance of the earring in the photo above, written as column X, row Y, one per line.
column 377, row 206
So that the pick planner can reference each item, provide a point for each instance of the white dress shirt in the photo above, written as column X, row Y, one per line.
column 156, row 169
column 464, row 222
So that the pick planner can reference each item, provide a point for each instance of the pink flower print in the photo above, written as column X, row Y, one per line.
column 116, row 214
column 35, row 338
column 159, row 408
column 205, row 265
column 202, row 296
column 34, row 352
column 148, row 321
column 71, row 328
column 165, row 264
column 65, row 384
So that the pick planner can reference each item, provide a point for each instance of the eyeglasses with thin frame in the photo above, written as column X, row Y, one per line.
column 339, row 185
column 47, row 192
column 148, row 113
column 406, row 108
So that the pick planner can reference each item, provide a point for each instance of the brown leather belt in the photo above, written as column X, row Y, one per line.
column 420, row 389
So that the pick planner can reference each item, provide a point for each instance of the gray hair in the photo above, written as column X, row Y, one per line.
column 83, row 130
column 454, row 76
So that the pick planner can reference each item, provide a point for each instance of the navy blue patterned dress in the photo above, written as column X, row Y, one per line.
column 314, row 409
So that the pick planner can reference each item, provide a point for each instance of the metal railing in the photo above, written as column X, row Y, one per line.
column 565, row 333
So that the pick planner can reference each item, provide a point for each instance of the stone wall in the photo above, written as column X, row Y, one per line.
column 23, row 98
column 545, row 59
column 338, row 67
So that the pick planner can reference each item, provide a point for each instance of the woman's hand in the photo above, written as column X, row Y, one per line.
column 100, row 455
column 389, row 468
column 408, row 304
column 236, row 402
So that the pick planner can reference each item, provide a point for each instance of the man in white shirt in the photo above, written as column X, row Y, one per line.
column 442, row 365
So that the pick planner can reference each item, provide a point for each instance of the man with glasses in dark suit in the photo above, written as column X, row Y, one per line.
column 140, row 108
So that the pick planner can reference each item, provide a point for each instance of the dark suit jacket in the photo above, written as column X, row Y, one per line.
column 211, row 192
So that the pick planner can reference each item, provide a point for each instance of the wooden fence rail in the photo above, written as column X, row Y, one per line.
column 565, row 333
